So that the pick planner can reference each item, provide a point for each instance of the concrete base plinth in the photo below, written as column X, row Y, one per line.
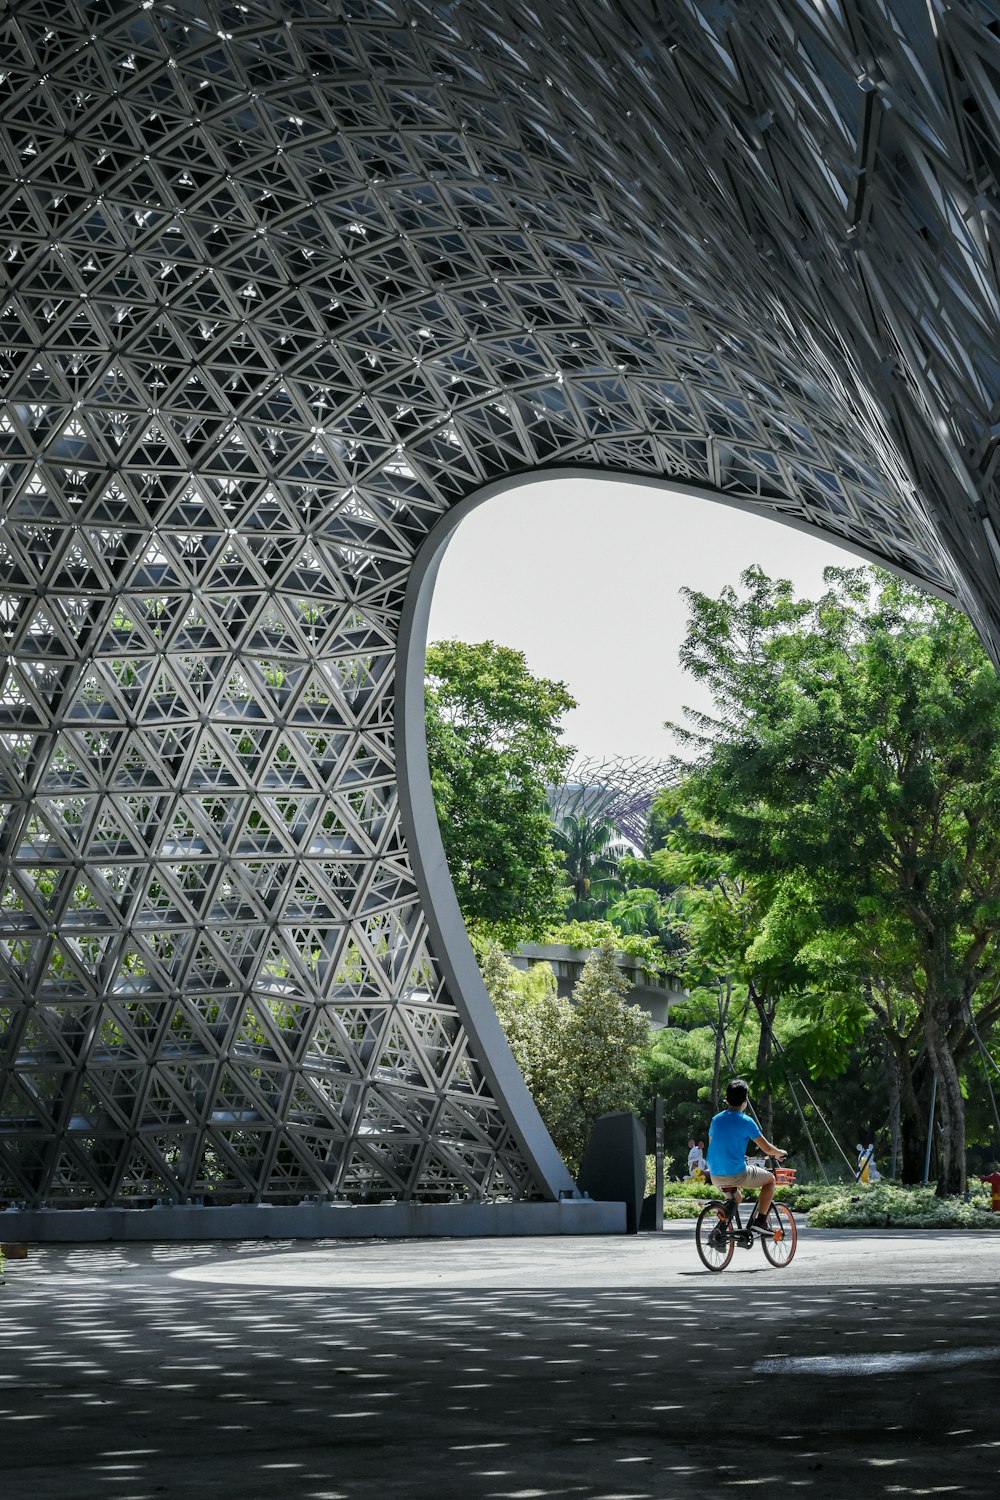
column 311, row 1221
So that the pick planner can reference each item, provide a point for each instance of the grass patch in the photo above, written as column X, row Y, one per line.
column 889, row 1205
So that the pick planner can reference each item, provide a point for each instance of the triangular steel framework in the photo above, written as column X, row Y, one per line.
column 280, row 285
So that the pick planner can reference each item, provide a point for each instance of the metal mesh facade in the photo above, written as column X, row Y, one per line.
column 281, row 284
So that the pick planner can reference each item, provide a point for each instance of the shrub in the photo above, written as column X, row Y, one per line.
column 580, row 1061
column 600, row 934
column 887, row 1205
column 699, row 1190
column 799, row 1196
column 681, row 1208
column 805, row 1196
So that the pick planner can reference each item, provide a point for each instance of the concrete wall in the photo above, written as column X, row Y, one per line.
column 311, row 1221
column 567, row 964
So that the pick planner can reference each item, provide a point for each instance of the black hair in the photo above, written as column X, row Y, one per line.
column 737, row 1092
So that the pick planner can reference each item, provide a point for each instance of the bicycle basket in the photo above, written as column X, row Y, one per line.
column 784, row 1175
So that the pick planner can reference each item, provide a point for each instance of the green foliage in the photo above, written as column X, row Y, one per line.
column 535, row 1021
column 668, row 1162
column 601, row 934
column 682, row 1208
column 605, row 1041
column 581, row 1060
column 678, row 1069
column 493, row 746
column 607, row 881
column 805, row 1196
column 887, row 1205
column 696, row 1192
column 592, row 851
column 849, row 789
column 648, row 906
column 683, row 1200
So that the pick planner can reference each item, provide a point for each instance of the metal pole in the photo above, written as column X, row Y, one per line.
column 805, row 1127
column 930, row 1130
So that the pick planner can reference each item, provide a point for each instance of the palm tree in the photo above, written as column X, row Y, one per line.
column 592, row 850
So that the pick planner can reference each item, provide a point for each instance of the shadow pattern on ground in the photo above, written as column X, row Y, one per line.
column 139, row 1386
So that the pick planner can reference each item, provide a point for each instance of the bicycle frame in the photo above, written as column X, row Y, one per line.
column 734, row 1224
column 777, row 1241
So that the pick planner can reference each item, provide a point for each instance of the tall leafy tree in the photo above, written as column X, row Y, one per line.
column 580, row 1060
column 604, row 1043
column 494, row 746
column 855, row 750
column 535, row 1018
column 745, row 952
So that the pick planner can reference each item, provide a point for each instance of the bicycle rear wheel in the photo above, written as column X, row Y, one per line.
column 714, row 1257
column 780, row 1246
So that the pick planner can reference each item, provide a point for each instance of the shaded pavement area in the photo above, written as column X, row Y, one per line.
column 614, row 1369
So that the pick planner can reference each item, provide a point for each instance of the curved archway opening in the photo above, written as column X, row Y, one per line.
column 740, row 535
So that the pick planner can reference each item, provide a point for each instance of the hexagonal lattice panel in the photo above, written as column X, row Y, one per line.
column 281, row 284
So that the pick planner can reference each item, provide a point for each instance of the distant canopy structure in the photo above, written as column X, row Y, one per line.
column 287, row 285
column 619, row 790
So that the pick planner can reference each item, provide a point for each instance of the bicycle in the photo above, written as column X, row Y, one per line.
column 719, row 1229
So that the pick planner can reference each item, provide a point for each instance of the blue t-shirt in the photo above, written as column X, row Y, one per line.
column 728, row 1135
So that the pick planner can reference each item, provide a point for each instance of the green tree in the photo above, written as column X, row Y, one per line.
column 493, row 746
column 580, row 1060
column 783, row 996
column 604, row 1043
column 648, row 904
column 678, row 1068
column 534, row 1018
column 728, row 967
column 855, row 752
column 592, row 850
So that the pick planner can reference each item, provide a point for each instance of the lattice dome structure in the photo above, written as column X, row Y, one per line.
column 283, row 284
column 618, row 790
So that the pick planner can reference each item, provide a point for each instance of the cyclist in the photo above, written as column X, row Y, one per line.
column 728, row 1136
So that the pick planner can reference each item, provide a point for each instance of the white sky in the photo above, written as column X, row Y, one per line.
column 583, row 575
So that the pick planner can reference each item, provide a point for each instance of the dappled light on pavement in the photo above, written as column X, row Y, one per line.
column 147, row 1373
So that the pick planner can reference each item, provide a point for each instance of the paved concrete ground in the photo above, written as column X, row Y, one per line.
column 611, row 1369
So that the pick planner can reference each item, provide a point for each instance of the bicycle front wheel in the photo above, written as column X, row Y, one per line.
column 780, row 1246
column 714, row 1257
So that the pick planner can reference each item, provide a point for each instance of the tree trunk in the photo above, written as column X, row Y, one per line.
column 950, row 1108
column 716, row 1067
column 913, row 1115
column 895, row 1107
column 942, row 1007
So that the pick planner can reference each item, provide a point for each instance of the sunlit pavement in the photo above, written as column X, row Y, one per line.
column 613, row 1369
